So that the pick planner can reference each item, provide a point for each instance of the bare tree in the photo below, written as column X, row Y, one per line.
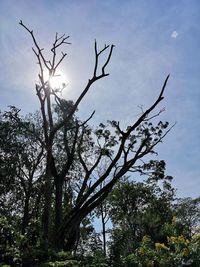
column 123, row 148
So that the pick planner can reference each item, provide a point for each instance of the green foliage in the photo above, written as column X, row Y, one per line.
column 97, row 259
column 61, row 258
column 20, row 165
column 89, row 239
column 139, row 209
column 66, row 263
column 187, row 211
column 62, row 255
column 17, row 249
column 9, row 243
column 177, row 251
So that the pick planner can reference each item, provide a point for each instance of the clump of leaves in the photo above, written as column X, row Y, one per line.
column 66, row 263
column 98, row 259
column 9, row 247
column 177, row 251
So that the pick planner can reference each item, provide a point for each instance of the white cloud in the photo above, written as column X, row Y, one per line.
column 174, row 34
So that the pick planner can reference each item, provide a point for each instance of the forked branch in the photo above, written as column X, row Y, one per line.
column 89, row 84
column 36, row 45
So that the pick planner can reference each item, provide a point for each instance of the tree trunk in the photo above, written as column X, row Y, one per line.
column 73, row 237
column 47, row 200
column 103, row 230
column 58, row 203
column 25, row 220
column 69, row 235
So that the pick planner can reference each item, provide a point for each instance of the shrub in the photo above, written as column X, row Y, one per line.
column 178, row 251
column 9, row 249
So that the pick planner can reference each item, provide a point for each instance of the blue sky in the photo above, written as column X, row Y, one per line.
column 152, row 38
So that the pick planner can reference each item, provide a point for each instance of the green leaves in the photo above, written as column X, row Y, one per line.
column 177, row 250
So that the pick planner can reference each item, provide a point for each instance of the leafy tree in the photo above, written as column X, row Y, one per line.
column 139, row 209
column 177, row 251
column 9, row 246
column 187, row 212
column 21, row 166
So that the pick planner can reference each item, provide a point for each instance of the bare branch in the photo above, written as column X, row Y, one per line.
column 108, row 59
column 86, row 121
column 129, row 163
column 84, row 92
column 36, row 44
column 156, row 115
column 61, row 59
column 145, row 114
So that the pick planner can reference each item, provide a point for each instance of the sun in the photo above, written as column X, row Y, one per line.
column 57, row 81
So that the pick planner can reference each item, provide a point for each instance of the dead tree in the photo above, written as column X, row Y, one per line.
column 123, row 149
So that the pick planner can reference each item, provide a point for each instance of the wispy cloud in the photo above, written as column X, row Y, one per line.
column 174, row 34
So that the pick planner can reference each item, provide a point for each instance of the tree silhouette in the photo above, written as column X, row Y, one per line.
column 83, row 150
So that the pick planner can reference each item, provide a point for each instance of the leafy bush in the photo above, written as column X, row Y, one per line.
column 179, row 250
column 9, row 247
column 61, row 256
column 98, row 259
column 66, row 263
column 61, row 259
